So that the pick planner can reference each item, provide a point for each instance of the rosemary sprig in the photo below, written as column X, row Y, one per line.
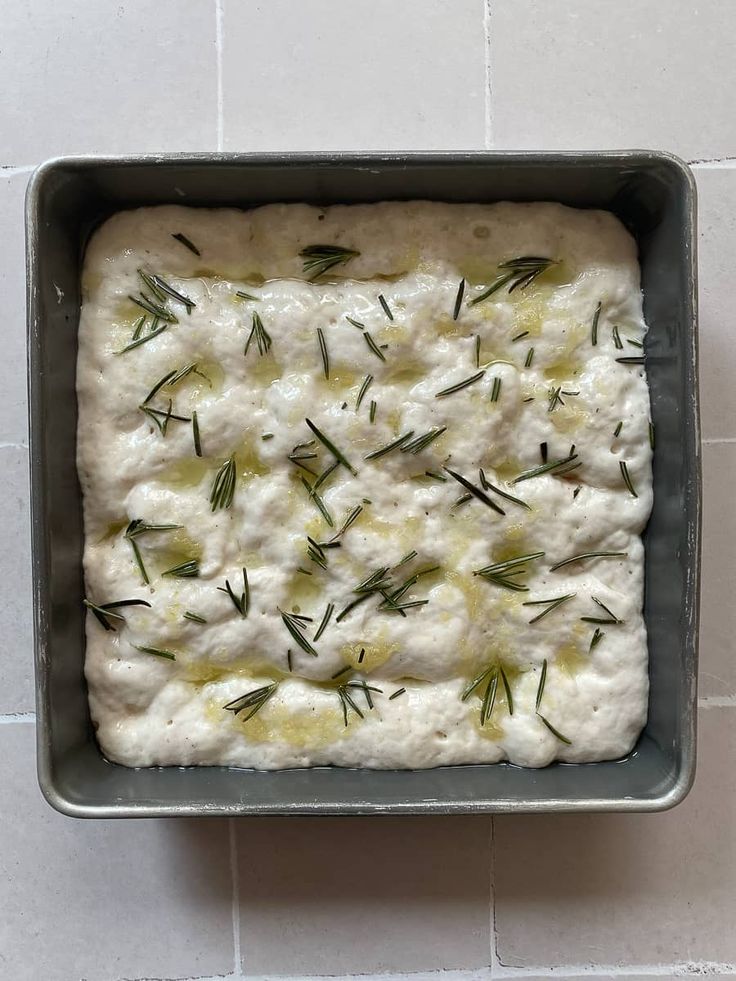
column 242, row 602
column 487, row 485
column 143, row 339
column 187, row 243
column 295, row 625
column 458, row 386
column 319, row 259
column 156, row 651
column 595, row 640
column 329, row 610
column 393, row 445
column 355, row 323
column 326, row 442
column 367, row 382
column 372, row 346
column 253, row 700
column 529, row 358
column 261, row 335
column 323, row 351
column 617, row 339
column 491, row 676
column 496, row 389
column 594, row 325
column 458, row 299
column 555, row 467
column 505, row 574
column 386, row 308
column 155, row 309
column 195, row 434
column 318, row 502
column 161, row 418
column 135, row 529
column 105, row 612
column 347, row 702
column 185, row 570
column 583, row 556
column 519, row 273
column 627, row 478
column 551, row 604
column 168, row 291
column 194, row 617
column 223, row 486
column 555, row 398
column 610, row 616
column 475, row 491
column 420, row 443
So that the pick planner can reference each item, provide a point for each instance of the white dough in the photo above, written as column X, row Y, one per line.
column 149, row 710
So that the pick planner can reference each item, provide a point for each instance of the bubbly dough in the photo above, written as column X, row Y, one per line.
column 151, row 710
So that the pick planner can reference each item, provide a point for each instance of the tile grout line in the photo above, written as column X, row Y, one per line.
column 218, row 73
column 487, row 115
column 717, row 701
column 238, row 965
column 18, row 718
column 682, row 969
column 718, row 439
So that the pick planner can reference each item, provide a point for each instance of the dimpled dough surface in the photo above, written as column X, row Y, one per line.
column 149, row 709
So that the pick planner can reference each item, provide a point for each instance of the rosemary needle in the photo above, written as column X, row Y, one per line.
column 323, row 352
column 475, row 491
column 187, row 243
column 422, row 442
column 505, row 573
column 399, row 691
column 529, row 358
column 326, row 442
column 143, row 339
column 367, row 382
column 386, row 308
column 374, row 406
column 373, row 346
column 260, row 334
column 194, row 617
column 587, row 555
column 105, row 612
column 540, row 687
column 185, row 570
column 319, row 503
column 157, row 652
column 551, row 604
column 195, row 434
column 242, row 602
column 325, row 620
column 295, row 627
column 555, row 467
column 627, row 478
column 555, row 732
column 253, row 700
column 319, row 259
column 223, row 486
column 393, row 445
column 355, row 323
column 458, row 386
column 487, row 485
column 458, row 299
column 496, row 389
column 594, row 325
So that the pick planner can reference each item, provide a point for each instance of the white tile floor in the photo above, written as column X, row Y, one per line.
column 439, row 900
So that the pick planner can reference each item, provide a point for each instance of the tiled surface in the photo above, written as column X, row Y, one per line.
column 599, row 896
column 100, row 900
column 84, row 76
column 626, row 889
column 601, row 74
column 355, row 881
column 369, row 74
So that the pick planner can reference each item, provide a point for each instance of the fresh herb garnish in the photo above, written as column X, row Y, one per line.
column 477, row 350
column 399, row 691
column 261, row 335
column 518, row 337
column 323, row 352
column 253, row 700
column 194, row 617
column 242, row 602
column 164, row 290
column 184, row 570
column 172, row 378
column 551, row 604
column 630, row 360
column 393, row 445
column 627, row 478
column 617, row 339
column 355, row 323
column 161, row 418
column 105, row 612
column 487, row 485
column 555, row 398
column 246, row 296
column 367, row 382
column 150, row 306
column 157, row 652
column 326, row 442
column 135, row 529
column 223, row 486
column 458, row 386
column 529, row 358
column 609, row 618
column 386, row 308
column 330, row 609
column 458, row 299
column 143, row 339
column 187, row 243
column 372, row 414
column 505, row 574
column 488, row 699
column 555, row 732
column 519, row 273
column 594, row 325
column 634, row 343
column 555, row 467
column 540, row 693
column 651, row 435
column 496, row 389
column 138, row 327
column 583, row 556
column 317, row 499
column 475, row 491
column 420, row 443
column 617, row 430
column 295, row 625
column 195, row 434
column 373, row 346
column 319, row 259
column 595, row 640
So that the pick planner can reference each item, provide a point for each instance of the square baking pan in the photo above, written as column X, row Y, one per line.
column 653, row 194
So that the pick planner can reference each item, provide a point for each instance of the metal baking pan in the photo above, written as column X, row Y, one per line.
column 653, row 193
